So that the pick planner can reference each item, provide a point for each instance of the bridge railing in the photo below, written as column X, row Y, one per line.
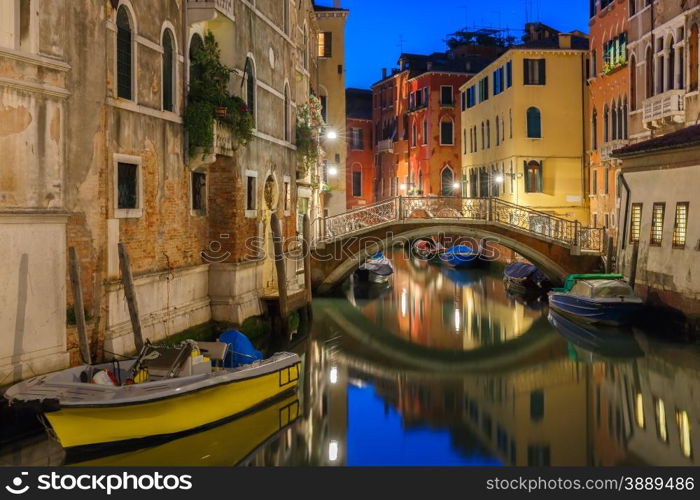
column 489, row 210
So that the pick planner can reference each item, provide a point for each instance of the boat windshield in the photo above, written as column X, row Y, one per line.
column 612, row 289
column 581, row 288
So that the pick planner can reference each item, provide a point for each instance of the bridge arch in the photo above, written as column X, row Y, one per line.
column 353, row 258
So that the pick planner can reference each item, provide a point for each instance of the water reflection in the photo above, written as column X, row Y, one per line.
column 440, row 369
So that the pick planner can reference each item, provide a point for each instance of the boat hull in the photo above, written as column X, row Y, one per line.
column 591, row 311
column 171, row 416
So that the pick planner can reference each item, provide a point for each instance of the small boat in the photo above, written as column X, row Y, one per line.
column 523, row 278
column 164, row 393
column 597, row 298
column 460, row 256
column 424, row 249
column 597, row 340
column 376, row 269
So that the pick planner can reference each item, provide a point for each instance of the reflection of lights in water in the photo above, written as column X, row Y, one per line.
column 458, row 320
column 684, row 432
column 404, row 302
column 639, row 410
column 334, row 374
column 333, row 451
column 661, row 420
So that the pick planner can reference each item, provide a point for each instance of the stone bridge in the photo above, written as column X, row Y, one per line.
column 558, row 246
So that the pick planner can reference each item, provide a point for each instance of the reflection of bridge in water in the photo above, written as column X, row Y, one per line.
column 559, row 246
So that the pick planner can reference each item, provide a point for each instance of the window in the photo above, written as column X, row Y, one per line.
column 251, row 196
column 483, row 135
column 464, row 139
column 127, row 186
column 657, row 223
column 606, row 180
column 509, row 74
column 592, row 7
column 286, row 194
column 446, row 96
column 199, row 193
column 447, row 181
column 649, row 64
column 426, row 96
column 606, row 124
column 510, row 122
column 539, row 455
column 535, row 72
column 464, row 101
column 537, row 405
column 357, row 184
column 305, row 47
column 484, row 89
column 594, row 181
column 325, row 44
column 446, row 132
column 633, row 7
column 425, row 131
column 635, row 222
column 594, row 63
column 534, row 182
column 250, row 87
column 414, row 135
column 488, row 133
column 633, row 83
column 285, row 16
column 594, row 130
column 287, row 114
column 412, row 101
column 324, row 107
column 694, row 56
column 471, row 96
column 498, row 132
column 357, row 139
column 124, row 54
column 680, row 225
column 168, row 70
column 534, row 123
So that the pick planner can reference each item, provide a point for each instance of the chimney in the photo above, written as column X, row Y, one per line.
column 564, row 41
column 383, row 73
column 336, row 4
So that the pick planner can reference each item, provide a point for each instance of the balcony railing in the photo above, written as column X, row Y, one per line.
column 607, row 149
column 668, row 107
column 223, row 139
column 203, row 10
column 385, row 146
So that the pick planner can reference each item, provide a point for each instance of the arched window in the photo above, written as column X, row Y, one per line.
column 671, row 76
column 534, row 182
column 534, row 123
column 420, row 181
column 168, row 70
column 693, row 54
column 633, row 83
column 250, row 85
column 624, row 119
column 614, row 121
column 620, row 120
column 606, row 124
column 287, row 114
column 446, row 132
column 305, row 46
column 483, row 135
column 196, row 45
column 447, row 182
column 649, row 63
column 498, row 131
column 594, row 130
column 488, row 133
column 425, row 131
column 125, row 54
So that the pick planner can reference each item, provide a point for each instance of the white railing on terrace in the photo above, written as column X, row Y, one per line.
column 607, row 148
column 385, row 146
column 567, row 233
column 667, row 106
column 225, row 7
column 223, row 138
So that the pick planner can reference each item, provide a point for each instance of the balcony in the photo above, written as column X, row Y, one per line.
column 607, row 148
column 223, row 139
column 664, row 109
column 205, row 10
column 385, row 146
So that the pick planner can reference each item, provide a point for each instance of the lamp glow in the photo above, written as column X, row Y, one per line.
column 499, row 179
column 333, row 376
column 333, row 171
column 332, row 135
column 333, row 451
column 455, row 185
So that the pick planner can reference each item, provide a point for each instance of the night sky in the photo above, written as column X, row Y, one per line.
column 375, row 26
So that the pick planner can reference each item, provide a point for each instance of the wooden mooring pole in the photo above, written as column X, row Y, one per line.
column 306, row 248
column 130, row 294
column 633, row 264
column 78, row 306
column 281, row 269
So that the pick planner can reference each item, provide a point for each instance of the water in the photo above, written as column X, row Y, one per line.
column 443, row 367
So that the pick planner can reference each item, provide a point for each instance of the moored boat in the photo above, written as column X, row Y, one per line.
column 376, row 269
column 523, row 278
column 597, row 298
column 166, row 392
column 460, row 256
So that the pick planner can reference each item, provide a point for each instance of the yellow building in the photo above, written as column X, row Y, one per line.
column 331, row 74
column 523, row 126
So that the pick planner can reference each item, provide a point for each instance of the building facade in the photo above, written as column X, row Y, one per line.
column 102, row 97
column 608, row 118
column 331, row 87
column 359, row 170
column 523, row 127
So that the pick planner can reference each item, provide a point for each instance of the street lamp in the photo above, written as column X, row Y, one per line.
column 332, row 135
column 499, row 179
column 332, row 171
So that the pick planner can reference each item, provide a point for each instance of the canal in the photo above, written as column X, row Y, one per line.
column 443, row 367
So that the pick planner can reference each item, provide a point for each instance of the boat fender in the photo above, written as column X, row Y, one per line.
column 104, row 377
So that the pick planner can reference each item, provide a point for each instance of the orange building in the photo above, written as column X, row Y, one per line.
column 417, row 121
column 359, row 169
column 609, row 86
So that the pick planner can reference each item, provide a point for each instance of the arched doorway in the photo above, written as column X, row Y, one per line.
column 447, row 181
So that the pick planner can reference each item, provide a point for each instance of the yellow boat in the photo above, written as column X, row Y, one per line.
column 224, row 445
column 179, row 396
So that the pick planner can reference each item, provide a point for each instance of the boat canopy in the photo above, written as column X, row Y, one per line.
column 573, row 278
column 602, row 289
column 460, row 249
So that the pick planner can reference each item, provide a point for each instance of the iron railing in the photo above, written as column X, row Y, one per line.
column 535, row 223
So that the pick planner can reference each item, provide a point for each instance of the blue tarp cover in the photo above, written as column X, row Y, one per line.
column 241, row 351
column 519, row 270
column 460, row 249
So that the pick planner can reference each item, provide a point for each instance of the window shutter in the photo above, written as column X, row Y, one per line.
column 526, row 72
column 542, row 72
column 526, row 176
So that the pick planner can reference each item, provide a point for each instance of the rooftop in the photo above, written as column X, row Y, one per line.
column 689, row 136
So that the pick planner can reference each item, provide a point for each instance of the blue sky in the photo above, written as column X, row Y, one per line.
column 375, row 27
